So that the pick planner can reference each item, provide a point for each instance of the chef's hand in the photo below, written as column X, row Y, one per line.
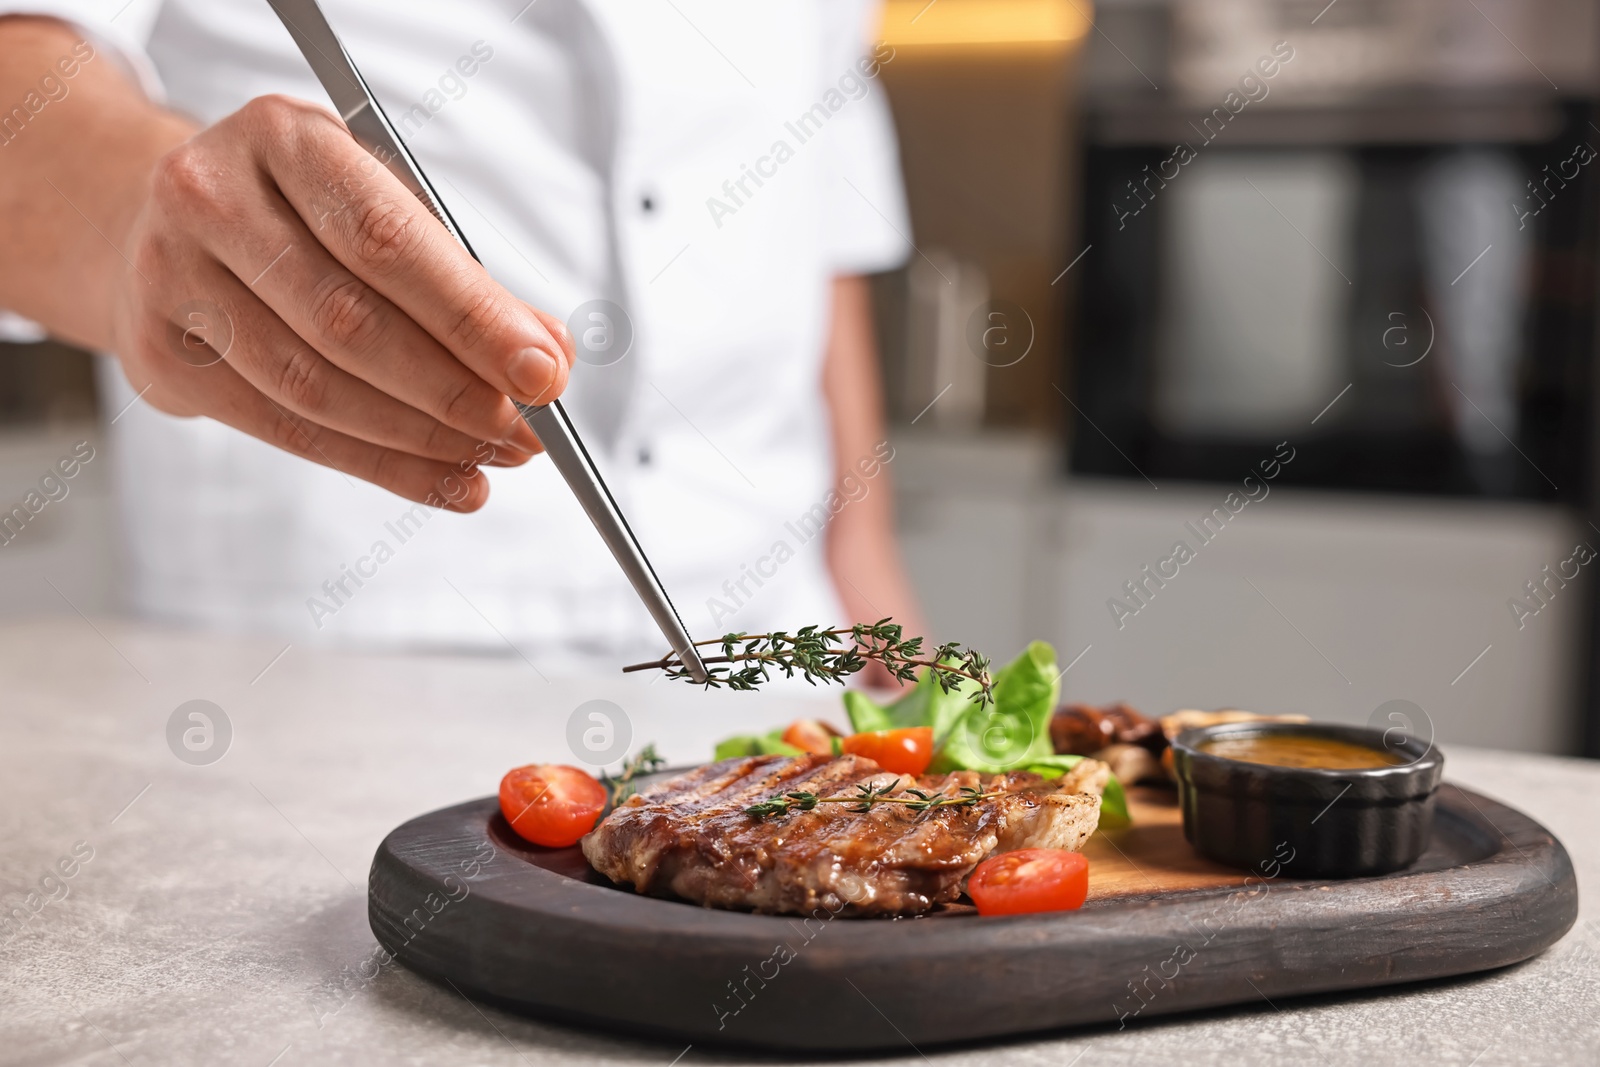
column 282, row 281
column 266, row 272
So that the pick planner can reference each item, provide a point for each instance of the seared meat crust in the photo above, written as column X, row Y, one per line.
column 689, row 837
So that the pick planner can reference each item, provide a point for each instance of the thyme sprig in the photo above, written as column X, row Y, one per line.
column 832, row 655
column 868, row 797
column 648, row 761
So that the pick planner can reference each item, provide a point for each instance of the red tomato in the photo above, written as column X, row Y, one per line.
column 809, row 735
column 1029, row 880
column 551, row 804
column 907, row 751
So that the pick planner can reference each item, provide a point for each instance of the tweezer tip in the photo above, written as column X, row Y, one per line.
column 697, row 669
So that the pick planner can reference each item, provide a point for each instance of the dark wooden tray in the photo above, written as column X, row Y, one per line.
column 458, row 897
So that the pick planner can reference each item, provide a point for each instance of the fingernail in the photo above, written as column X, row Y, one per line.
column 557, row 384
column 532, row 371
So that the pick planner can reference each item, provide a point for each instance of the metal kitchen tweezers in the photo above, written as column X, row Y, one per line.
column 373, row 131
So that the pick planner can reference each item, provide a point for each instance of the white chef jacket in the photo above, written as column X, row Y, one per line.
column 596, row 151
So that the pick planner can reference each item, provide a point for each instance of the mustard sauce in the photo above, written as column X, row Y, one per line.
column 1299, row 750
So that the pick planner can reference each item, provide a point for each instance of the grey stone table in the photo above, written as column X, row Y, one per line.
column 214, row 912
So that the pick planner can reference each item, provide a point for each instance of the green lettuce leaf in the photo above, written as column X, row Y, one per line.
column 1114, row 806
column 730, row 747
column 1010, row 732
column 769, row 744
column 916, row 708
column 1113, row 802
column 948, row 710
column 773, row 744
column 865, row 713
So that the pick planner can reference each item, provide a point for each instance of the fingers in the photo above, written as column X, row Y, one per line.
column 296, row 377
column 231, row 399
column 384, row 236
column 355, row 327
column 558, row 330
column 363, row 336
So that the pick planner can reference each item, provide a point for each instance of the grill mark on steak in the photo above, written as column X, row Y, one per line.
column 689, row 837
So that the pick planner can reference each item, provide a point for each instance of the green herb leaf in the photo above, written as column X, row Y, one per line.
column 1114, row 806
column 865, row 713
column 1014, row 729
column 865, row 798
column 1113, row 802
column 773, row 744
column 729, row 748
column 768, row 744
column 1053, row 766
column 829, row 655
column 946, row 710
column 648, row 761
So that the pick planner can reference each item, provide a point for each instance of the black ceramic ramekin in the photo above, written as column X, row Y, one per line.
column 1304, row 822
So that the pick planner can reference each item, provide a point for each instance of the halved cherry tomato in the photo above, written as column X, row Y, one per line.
column 1030, row 880
column 551, row 804
column 811, row 735
column 907, row 751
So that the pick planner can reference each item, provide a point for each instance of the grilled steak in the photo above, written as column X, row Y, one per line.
column 690, row 837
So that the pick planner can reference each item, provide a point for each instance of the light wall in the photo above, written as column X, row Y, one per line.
column 1323, row 604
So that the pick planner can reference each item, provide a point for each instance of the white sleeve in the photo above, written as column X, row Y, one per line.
column 867, row 225
column 119, row 32
column 18, row 330
column 119, row 27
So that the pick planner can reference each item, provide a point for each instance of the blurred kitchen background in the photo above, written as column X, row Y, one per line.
column 1160, row 243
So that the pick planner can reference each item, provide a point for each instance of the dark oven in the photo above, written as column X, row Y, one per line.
column 1367, row 227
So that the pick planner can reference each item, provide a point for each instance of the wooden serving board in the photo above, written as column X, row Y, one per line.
column 1151, row 855
column 456, row 896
